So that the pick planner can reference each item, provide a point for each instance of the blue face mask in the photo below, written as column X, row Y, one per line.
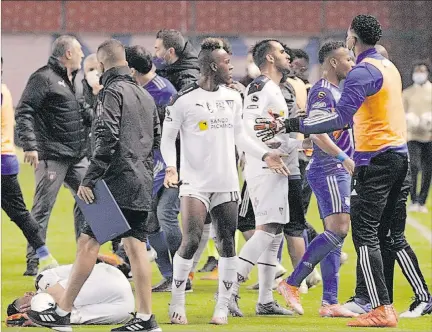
column 159, row 63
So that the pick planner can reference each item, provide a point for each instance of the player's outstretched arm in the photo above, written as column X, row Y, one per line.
column 362, row 81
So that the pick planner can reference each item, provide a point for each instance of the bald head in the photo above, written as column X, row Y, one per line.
column 111, row 53
column 381, row 50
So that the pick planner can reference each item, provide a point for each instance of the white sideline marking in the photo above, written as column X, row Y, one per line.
column 426, row 232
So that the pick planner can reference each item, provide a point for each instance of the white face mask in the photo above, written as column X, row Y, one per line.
column 419, row 78
column 92, row 78
column 253, row 70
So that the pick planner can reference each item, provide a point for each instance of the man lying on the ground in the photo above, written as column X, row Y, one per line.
column 105, row 299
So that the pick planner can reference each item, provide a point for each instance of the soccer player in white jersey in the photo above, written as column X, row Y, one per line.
column 105, row 299
column 268, row 191
column 208, row 116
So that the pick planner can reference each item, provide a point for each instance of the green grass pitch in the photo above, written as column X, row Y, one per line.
column 200, row 303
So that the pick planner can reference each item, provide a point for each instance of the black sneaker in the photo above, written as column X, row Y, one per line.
column 233, row 307
column 210, row 265
column 50, row 318
column 188, row 286
column 137, row 324
column 32, row 268
column 163, row 286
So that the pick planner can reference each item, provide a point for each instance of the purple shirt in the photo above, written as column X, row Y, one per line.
column 161, row 90
column 322, row 98
column 362, row 81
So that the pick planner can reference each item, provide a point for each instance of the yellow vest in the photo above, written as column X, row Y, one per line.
column 7, row 122
column 380, row 121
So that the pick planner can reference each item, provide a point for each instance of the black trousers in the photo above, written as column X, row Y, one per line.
column 12, row 203
column 375, row 198
column 421, row 162
column 394, row 247
column 306, row 189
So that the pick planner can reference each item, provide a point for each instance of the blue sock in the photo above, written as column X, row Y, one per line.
column 330, row 273
column 279, row 254
column 42, row 252
column 163, row 260
column 317, row 250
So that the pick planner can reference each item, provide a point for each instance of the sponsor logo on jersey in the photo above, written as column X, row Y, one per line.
column 220, row 123
column 203, row 125
column 252, row 107
column 319, row 104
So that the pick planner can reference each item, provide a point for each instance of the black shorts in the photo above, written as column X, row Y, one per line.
column 297, row 223
column 137, row 221
column 246, row 219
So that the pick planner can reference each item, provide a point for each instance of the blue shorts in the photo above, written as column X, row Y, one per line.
column 332, row 192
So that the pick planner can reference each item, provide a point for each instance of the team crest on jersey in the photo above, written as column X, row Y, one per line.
column 281, row 210
column 203, row 125
column 220, row 105
column 230, row 103
column 255, row 98
column 321, row 94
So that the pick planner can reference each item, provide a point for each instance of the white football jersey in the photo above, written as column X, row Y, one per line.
column 264, row 99
column 208, row 122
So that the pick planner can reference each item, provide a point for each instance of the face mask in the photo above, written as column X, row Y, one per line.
column 93, row 77
column 159, row 63
column 419, row 78
column 252, row 70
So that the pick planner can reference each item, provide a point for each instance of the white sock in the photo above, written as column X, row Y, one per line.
column 144, row 317
column 61, row 312
column 202, row 245
column 227, row 278
column 267, row 269
column 181, row 269
column 249, row 255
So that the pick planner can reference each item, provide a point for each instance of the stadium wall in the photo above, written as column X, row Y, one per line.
column 29, row 27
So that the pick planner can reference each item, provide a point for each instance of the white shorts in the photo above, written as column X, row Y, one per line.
column 269, row 197
column 210, row 200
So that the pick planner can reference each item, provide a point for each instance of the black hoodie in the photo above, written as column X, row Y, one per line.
column 184, row 71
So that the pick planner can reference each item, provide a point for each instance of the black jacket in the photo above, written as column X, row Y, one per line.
column 49, row 116
column 184, row 71
column 126, row 131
